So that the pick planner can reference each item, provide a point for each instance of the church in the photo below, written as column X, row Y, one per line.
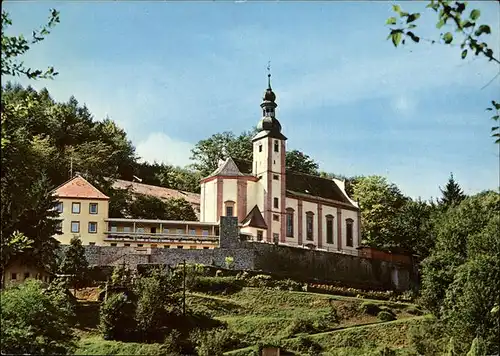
column 276, row 205
column 272, row 204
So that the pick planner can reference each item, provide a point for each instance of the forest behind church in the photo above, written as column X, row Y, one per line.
column 455, row 237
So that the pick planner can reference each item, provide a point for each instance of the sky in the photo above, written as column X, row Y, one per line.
column 173, row 73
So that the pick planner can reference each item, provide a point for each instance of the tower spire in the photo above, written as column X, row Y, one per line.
column 269, row 75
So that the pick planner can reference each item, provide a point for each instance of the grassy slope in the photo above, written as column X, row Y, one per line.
column 256, row 314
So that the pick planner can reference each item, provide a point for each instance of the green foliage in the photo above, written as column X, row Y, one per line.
column 452, row 193
column 116, row 319
column 121, row 276
column 214, row 342
column 370, row 308
column 150, row 207
column 229, row 261
column 380, row 202
column 15, row 46
column 451, row 349
column 216, row 285
column 478, row 347
column 385, row 316
column 469, row 34
column 297, row 161
column 75, row 263
column 35, row 321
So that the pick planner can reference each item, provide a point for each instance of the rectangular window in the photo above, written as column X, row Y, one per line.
column 166, row 246
column 26, row 275
column 59, row 226
column 165, row 231
column 276, row 238
column 348, row 235
column 126, row 245
column 75, row 208
column 192, row 247
column 140, row 229
column 13, row 276
column 113, row 244
column 59, row 207
column 276, row 203
column 93, row 208
column 289, row 224
column 309, row 226
column 206, row 247
column 92, row 243
column 276, row 217
column 276, row 177
column 260, row 235
column 329, row 230
column 140, row 245
column 114, row 228
column 229, row 211
column 204, row 232
column 127, row 229
column 260, row 148
column 276, row 146
column 180, row 247
column 180, row 232
column 92, row 227
column 192, row 232
column 75, row 226
column 153, row 230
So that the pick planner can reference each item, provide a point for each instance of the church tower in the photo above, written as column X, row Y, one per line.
column 268, row 165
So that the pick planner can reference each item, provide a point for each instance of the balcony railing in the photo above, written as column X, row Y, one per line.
column 159, row 237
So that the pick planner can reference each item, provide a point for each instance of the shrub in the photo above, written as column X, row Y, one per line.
column 172, row 344
column 385, row 316
column 116, row 319
column 214, row 342
column 369, row 308
column 288, row 285
column 347, row 310
column 261, row 281
column 308, row 346
column 216, row 285
column 388, row 310
column 414, row 310
column 35, row 321
column 299, row 326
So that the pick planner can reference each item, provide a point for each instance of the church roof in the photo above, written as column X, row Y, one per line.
column 78, row 187
column 228, row 168
column 255, row 219
column 305, row 184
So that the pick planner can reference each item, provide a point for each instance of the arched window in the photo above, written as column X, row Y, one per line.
column 349, row 233
column 229, row 206
column 289, row 222
column 329, row 229
column 309, row 225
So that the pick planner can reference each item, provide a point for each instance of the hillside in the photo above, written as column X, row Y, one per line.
column 301, row 322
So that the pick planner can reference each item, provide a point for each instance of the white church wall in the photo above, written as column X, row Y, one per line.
column 313, row 207
column 330, row 210
column 208, row 201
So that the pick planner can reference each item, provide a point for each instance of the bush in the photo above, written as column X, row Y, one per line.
column 35, row 321
column 172, row 344
column 288, row 285
column 261, row 281
column 116, row 319
column 414, row 310
column 300, row 326
column 369, row 308
column 216, row 285
column 214, row 342
column 308, row 346
column 385, row 316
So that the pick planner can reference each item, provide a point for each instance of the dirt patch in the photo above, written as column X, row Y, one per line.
column 90, row 294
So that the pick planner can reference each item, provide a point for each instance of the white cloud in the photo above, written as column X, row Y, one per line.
column 161, row 148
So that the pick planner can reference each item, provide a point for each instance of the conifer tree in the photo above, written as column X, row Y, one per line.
column 75, row 263
column 452, row 193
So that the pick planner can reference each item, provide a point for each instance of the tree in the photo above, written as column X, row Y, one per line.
column 469, row 31
column 452, row 193
column 35, row 320
column 75, row 263
column 15, row 46
column 477, row 348
column 460, row 279
column 299, row 162
column 150, row 207
column 380, row 202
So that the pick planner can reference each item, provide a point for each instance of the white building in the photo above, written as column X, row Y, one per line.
column 279, row 206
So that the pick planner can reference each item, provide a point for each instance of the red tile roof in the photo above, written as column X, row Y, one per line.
column 78, row 187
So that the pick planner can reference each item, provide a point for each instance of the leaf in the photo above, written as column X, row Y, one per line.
column 413, row 36
column 494, row 128
column 495, row 104
column 412, row 17
column 391, row 21
column 474, row 14
column 412, row 25
column 447, row 37
column 440, row 23
column 396, row 9
column 467, row 24
column 464, row 53
column 396, row 38
column 483, row 29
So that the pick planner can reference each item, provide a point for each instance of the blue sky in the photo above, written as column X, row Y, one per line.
column 172, row 73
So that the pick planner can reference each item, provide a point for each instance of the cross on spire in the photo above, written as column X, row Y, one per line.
column 269, row 74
